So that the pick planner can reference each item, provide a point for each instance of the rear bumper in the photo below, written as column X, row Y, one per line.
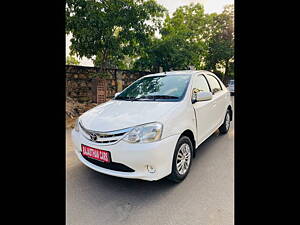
column 136, row 156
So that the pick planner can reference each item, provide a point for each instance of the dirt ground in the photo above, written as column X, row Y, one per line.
column 74, row 109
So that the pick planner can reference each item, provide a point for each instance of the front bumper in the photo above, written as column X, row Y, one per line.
column 158, row 154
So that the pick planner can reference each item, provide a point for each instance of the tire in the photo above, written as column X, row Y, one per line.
column 226, row 124
column 178, row 175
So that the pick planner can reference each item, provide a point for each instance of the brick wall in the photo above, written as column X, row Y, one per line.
column 81, row 82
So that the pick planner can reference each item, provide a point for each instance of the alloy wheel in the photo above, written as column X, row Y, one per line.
column 183, row 159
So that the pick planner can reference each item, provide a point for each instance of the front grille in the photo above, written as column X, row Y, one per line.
column 111, row 166
column 100, row 137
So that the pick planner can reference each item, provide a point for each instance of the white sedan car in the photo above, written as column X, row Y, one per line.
column 151, row 129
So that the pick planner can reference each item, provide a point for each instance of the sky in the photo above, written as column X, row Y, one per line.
column 210, row 6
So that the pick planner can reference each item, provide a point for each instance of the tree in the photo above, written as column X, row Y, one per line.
column 220, row 45
column 182, row 42
column 71, row 60
column 108, row 30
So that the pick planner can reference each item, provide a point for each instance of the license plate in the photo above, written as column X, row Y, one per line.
column 94, row 153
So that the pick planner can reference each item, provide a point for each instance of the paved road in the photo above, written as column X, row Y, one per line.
column 205, row 197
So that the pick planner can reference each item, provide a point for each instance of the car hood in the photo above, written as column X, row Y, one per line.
column 115, row 115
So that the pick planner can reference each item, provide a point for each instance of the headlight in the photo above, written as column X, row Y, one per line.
column 145, row 133
column 77, row 125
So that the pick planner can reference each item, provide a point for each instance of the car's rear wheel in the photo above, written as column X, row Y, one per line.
column 226, row 124
column 182, row 160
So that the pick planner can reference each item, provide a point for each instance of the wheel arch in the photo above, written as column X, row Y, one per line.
column 230, row 112
column 188, row 133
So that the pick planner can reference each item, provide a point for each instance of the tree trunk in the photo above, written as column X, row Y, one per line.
column 226, row 70
column 103, row 64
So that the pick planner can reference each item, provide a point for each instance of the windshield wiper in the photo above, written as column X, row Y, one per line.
column 121, row 98
column 147, row 98
column 127, row 98
column 158, row 97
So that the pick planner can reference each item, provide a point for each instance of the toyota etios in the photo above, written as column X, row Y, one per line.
column 151, row 129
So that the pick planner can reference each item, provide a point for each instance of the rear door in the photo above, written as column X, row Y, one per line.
column 220, row 95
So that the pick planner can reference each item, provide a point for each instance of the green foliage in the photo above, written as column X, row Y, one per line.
column 120, row 34
column 71, row 60
column 106, row 31
column 192, row 38
column 181, row 43
column 220, row 51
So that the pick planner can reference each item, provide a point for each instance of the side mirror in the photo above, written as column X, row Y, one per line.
column 117, row 94
column 203, row 96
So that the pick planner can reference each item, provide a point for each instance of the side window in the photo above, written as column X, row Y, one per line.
column 214, row 84
column 200, row 84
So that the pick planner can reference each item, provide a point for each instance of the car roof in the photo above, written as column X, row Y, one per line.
column 179, row 72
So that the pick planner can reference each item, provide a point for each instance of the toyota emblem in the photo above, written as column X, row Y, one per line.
column 93, row 136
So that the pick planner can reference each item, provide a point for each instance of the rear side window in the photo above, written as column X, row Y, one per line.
column 200, row 84
column 214, row 84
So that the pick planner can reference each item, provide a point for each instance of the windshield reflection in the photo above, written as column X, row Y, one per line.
column 153, row 88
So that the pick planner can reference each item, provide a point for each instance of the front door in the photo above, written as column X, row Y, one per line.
column 204, row 110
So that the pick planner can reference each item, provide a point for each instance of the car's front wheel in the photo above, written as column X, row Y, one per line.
column 182, row 159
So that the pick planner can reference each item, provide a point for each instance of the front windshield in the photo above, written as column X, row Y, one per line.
column 157, row 88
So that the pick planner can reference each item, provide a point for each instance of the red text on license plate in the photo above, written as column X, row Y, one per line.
column 94, row 153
